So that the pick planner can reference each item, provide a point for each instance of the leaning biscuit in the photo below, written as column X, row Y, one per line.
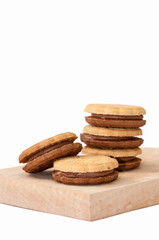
column 85, row 170
column 115, row 109
column 49, row 142
column 46, row 160
column 41, row 155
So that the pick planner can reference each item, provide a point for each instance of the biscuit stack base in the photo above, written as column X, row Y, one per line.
column 113, row 132
column 82, row 170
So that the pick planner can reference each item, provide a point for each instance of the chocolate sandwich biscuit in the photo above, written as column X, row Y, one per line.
column 115, row 115
column 84, row 170
column 40, row 156
column 127, row 158
column 100, row 137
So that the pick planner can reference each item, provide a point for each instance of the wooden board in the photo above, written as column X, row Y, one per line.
column 133, row 190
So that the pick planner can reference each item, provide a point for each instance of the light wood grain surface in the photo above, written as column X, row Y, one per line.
column 134, row 189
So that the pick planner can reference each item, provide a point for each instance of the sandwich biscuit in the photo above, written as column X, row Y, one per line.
column 115, row 115
column 40, row 156
column 100, row 137
column 127, row 158
column 85, row 170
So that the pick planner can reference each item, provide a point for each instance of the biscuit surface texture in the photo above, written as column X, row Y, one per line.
column 115, row 109
column 112, row 152
column 26, row 154
column 83, row 164
column 113, row 132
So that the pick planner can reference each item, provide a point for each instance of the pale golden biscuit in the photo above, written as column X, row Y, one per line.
column 115, row 109
column 85, row 164
column 63, row 137
column 112, row 132
column 112, row 152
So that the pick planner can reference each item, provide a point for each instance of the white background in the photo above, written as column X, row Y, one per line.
column 55, row 58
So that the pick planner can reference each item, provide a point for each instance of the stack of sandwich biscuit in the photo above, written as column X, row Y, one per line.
column 113, row 131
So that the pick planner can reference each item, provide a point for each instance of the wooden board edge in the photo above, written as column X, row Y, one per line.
column 130, row 201
column 71, row 200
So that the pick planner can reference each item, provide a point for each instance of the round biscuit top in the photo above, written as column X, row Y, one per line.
column 86, row 163
column 112, row 132
column 115, row 109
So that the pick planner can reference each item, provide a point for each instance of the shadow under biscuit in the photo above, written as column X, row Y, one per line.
column 42, row 175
